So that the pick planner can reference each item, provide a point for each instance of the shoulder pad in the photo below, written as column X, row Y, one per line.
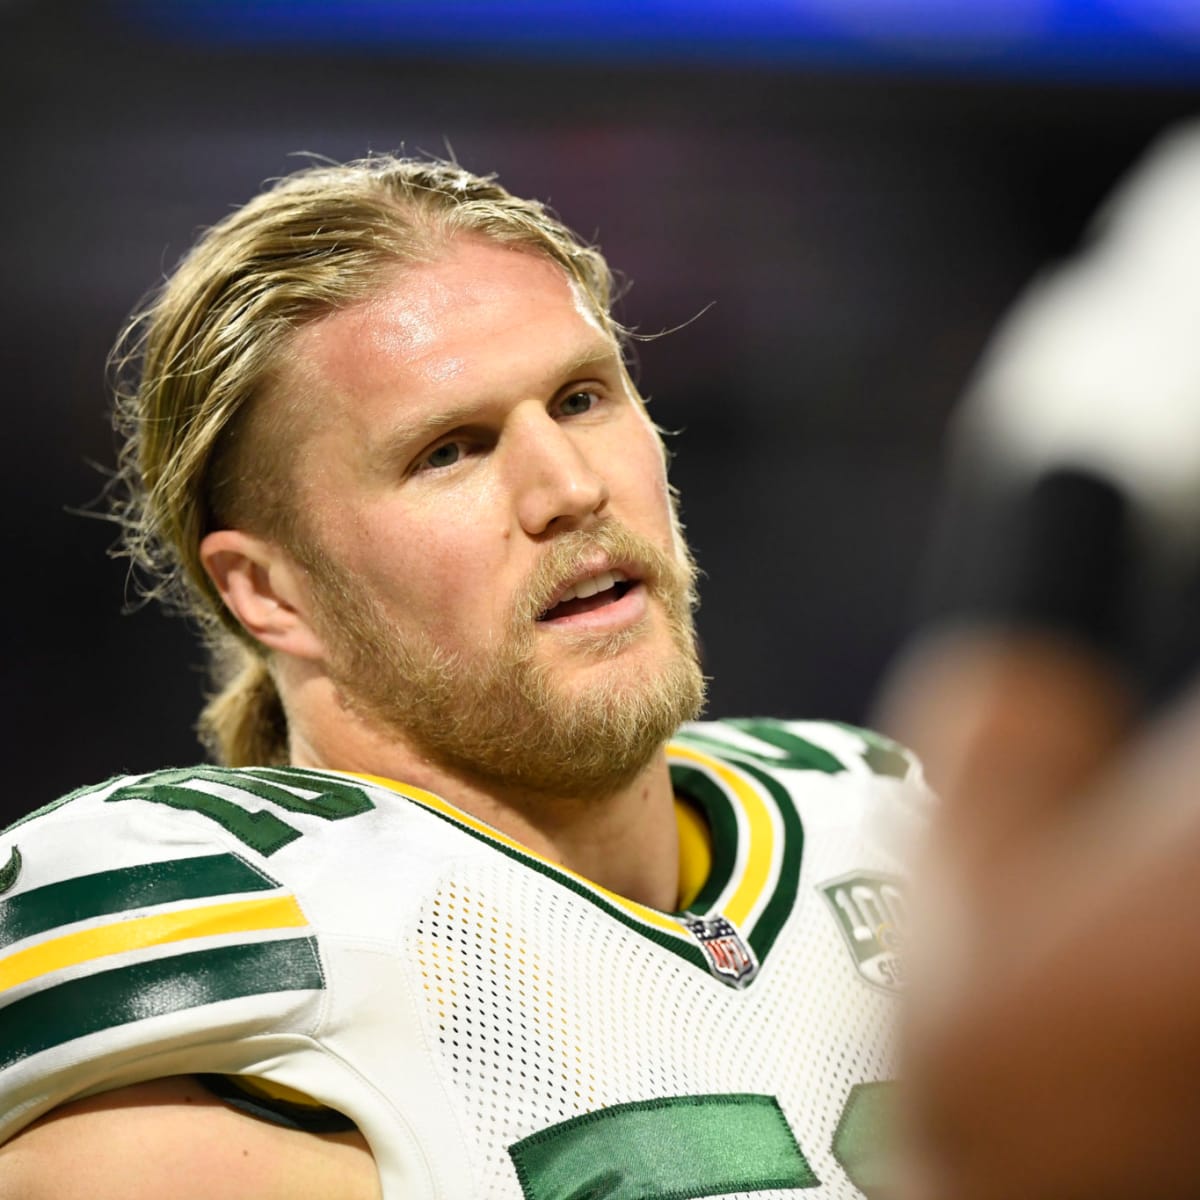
column 826, row 746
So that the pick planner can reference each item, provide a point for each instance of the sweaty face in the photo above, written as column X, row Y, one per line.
column 498, row 578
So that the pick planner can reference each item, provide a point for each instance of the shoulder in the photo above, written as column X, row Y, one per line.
column 135, row 843
column 827, row 747
column 833, row 776
column 258, row 809
column 144, row 921
column 172, row 1138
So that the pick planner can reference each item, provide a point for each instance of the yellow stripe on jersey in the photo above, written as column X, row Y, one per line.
column 210, row 920
column 695, row 852
column 761, row 848
column 651, row 916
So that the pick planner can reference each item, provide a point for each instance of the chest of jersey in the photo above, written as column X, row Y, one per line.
column 495, row 1025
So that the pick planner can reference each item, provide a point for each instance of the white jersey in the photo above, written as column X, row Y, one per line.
column 496, row 1025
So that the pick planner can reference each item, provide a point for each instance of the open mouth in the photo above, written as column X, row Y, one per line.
column 594, row 592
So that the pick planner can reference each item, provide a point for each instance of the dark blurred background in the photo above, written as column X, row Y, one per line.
column 849, row 194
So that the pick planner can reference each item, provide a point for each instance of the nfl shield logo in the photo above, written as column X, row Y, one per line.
column 730, row 959
column 871, row 915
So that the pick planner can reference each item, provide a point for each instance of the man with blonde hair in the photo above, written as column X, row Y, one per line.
column 468, row 908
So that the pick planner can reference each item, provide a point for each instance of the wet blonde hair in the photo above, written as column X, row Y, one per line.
column 199, row 453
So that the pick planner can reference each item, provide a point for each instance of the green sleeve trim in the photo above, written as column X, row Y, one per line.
column 106, row 892
column 54, row 1015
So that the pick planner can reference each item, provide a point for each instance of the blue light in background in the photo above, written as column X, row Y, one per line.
column 1151, row 39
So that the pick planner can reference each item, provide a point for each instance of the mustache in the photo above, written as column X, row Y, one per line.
column 570, row 553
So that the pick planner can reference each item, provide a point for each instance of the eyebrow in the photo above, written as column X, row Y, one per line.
column 416, row 432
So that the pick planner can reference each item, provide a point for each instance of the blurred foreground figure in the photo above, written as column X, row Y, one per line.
column 1053, row 1037
column 472, row 907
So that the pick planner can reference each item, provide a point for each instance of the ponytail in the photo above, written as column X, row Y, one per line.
column 244, row 724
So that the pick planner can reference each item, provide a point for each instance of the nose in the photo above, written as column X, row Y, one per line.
column 556, row 486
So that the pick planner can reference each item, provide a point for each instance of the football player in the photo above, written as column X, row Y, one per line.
column 471, row 907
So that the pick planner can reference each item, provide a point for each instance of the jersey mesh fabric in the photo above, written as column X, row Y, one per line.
column 469, row 995
column 578, row 1012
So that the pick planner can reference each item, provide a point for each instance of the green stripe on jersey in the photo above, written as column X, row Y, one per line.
column 92, row 1003
column 772, row 918
column 87, row 896
column 718, row 809
column 670, row 1149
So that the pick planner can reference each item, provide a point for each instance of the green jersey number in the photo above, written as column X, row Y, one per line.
column 680, row 1147
column 262, row 830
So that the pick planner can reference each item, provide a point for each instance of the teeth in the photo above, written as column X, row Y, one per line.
column 589, row 587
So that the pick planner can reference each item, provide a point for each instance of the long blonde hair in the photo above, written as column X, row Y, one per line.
column 198, row 454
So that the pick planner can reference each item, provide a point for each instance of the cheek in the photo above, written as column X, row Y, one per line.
column 641, row 485
column 441, row 577
column 432, row 563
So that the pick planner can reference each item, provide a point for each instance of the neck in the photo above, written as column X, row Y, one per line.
column 626, row 841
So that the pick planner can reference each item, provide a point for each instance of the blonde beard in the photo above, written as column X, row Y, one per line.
column 503, row 718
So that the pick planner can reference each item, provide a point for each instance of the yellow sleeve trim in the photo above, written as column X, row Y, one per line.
column 210, row 920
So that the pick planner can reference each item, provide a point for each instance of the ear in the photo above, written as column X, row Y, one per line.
column 265, row 589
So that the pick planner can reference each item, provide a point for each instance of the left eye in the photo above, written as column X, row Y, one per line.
column 576, row 403
column 445, row 455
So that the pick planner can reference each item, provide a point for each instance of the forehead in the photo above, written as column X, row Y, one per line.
column 477, row 316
